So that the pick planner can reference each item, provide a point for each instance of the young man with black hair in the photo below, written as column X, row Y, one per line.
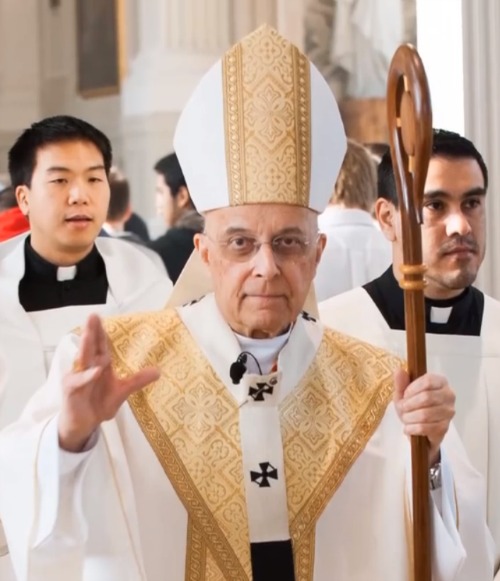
column 59, row 273
column 174, row 204
column 462, row 323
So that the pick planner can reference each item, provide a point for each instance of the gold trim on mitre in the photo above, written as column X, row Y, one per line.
column 267, row 118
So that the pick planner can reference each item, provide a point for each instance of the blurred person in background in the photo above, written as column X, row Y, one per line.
column 377, row 149
column 356, row 251
column 12, row 220
column 119, row 211
column 174, row 204
column 136, row 225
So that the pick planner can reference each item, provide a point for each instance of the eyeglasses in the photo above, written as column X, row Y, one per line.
column 241, row 247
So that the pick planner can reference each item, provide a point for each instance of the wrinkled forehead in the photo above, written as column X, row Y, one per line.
column 261, row 219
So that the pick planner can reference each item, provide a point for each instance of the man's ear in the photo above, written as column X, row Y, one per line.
column 200, row 244
column 128, row 213
column 320, row 247
column 182, row 198
column 386, row 214
column 22, row 197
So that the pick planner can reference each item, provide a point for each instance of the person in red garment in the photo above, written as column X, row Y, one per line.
column 12, row 220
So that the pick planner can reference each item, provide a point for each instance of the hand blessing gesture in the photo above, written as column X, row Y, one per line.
column 92, row 393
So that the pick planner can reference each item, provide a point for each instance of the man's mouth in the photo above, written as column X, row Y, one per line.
column 460, row 250
column 78, row 218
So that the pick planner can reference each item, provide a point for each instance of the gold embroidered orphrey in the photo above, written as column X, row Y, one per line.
column 191, row 421
column 267, row 120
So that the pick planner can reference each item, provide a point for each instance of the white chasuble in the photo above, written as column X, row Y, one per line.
column 165, row 490
column 29, row 339
column 472, row 366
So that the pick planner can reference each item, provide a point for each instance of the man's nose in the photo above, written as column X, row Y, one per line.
column 457, row 224
column 265, row 264
column 78, row 194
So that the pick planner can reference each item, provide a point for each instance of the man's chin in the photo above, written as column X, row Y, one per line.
column 266, row 325
column 458, row 280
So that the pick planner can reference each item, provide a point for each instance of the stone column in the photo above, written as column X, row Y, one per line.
column 290, row 20
column 247, row 15
column 443, row 61
column 465, row 88
column 19, row 70
column 481, row 51
column 175, row 43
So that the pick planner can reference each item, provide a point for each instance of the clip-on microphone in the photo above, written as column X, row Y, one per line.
column 238, row 368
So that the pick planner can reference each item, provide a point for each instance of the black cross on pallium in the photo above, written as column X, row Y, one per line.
column 258, row 392
column 262, row 478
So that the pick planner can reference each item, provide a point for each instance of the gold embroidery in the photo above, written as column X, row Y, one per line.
column 327, row 424
column 304, row 557
column 267, row 116
column 191, row 422
column 196, row 553
column 213, row 571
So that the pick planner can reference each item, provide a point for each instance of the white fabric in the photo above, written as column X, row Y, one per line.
column 135, row 284
column 366, row 34
column 440, row 315
column 66, row 273
column 109, row 522
column 200, row 142
column 261, row 442
column 28, row 340
column 4, row 569
column 356, row 251
column 472, row 367
column 264, row 350
column 151, row 254
column 51, row 325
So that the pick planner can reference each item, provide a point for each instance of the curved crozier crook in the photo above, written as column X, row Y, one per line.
column 410, row 125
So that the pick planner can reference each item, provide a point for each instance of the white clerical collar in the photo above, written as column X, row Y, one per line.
column 440, row 315
column 265, row 351
column 66, row 272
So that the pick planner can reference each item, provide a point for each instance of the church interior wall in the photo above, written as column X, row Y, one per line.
column 38, row 74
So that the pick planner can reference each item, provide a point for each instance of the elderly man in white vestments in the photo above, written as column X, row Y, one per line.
column 54, row 277
column 264, row 446
column 462, row 323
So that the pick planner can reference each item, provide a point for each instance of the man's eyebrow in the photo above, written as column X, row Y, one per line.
column 57, row 168
column 61, row 168
column 290, row 230
column 233, row 230
column 435, row 194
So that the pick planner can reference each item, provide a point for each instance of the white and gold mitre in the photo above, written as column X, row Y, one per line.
column 261, row 127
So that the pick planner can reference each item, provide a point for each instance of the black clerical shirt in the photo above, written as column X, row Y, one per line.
column 465, row 318
column 40, row 289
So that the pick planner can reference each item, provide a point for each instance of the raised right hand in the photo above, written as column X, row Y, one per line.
column 94, row 394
